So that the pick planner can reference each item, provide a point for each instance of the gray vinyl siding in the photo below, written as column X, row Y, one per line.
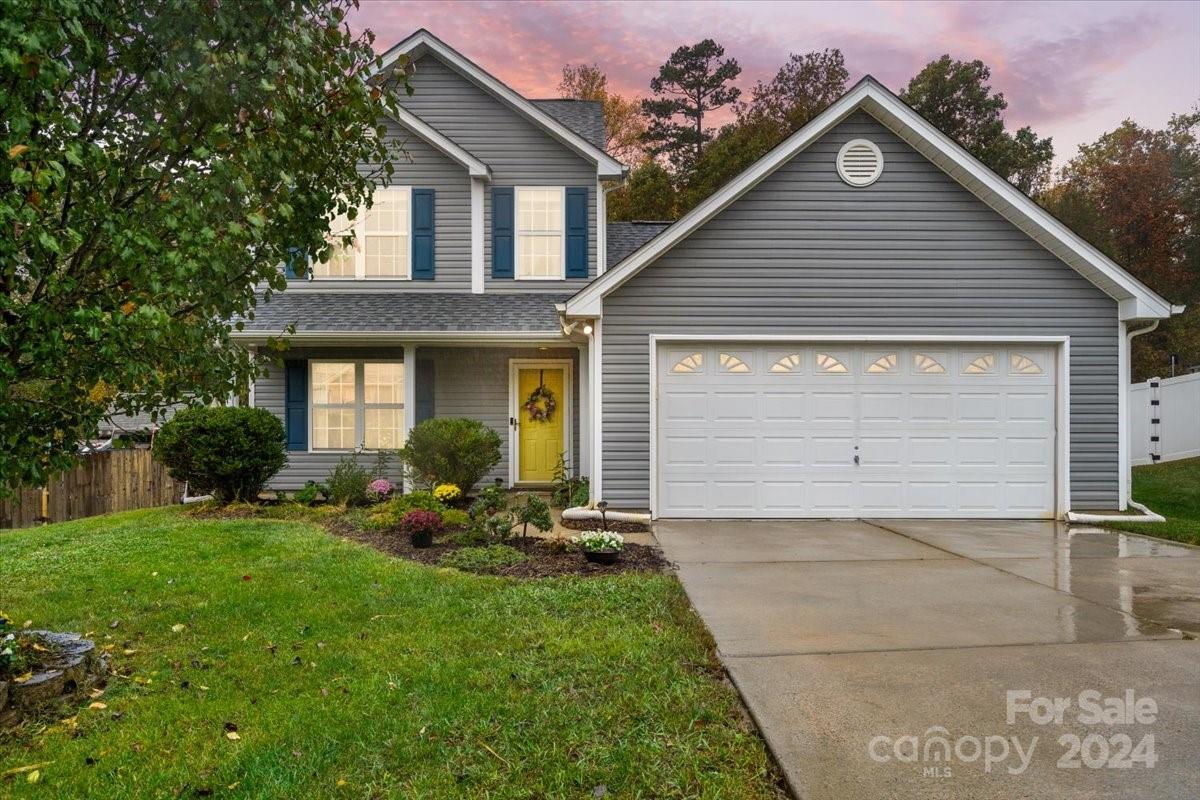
column 468, row 382
column 473, row 382
column 420, row 165
column 269, row 394
column 915, row 253
column 519, row 152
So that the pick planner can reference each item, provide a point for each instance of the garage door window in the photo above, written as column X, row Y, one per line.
column 731, row 363
column 981, row 365
column 883, row 364
column 1020, row 364
column 787, row 363
column 693, row 362
column 927, row 365
column 830, row 364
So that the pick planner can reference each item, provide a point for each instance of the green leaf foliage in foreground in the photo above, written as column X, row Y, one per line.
column 158, row 161
column 337, row 663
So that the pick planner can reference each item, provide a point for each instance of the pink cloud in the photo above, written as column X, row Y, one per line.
column 1075, row 67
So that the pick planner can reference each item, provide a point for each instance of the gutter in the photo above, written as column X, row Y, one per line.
column 1146, row 516
column 589, row 513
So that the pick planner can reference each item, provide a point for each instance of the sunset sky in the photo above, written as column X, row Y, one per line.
column 1071, row 70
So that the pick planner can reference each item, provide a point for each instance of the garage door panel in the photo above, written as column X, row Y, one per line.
column 773, row 432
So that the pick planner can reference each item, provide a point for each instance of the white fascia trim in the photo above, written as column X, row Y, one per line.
column 606, row 165
column 601, row 228
column 963, row 167
column 448, row 148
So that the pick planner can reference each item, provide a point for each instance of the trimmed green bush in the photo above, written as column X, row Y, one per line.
column 348, row 482
column 456, row 518
column 230, row 453
column 483, row 560
column 450, row 450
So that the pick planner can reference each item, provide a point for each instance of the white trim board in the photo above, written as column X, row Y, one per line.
column 441, row 142
column 565, row 410
column 422, row 40
column 1062, row 355
column 1136, row 301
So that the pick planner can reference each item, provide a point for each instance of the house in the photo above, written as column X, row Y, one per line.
column 866, row 322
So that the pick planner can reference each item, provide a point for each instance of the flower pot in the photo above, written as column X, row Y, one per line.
column 602, row 556
column 423, row 539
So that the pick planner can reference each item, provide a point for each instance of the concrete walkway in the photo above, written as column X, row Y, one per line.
column 850, row 640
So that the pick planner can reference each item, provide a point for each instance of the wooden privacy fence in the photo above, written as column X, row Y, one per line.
column 118, row 480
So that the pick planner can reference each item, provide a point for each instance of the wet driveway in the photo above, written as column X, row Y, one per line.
column 862, row 646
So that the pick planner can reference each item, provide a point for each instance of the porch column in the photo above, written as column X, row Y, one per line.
column 585, row 414
column 410, row 396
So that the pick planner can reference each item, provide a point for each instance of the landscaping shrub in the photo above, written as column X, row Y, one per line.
column 535, row 512
column 450, row 450
column 447, row 493
column 483, row 560
column 379, row 489
column 418, row 522
column 308, row 495
column 389, row 512
column 492, row 500
column 568, row 491
column 230, row 453
column 348, row 482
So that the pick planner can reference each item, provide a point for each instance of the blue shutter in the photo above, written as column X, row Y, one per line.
column 425, row 377
column 422, row 234
column 503, row 233
column 577, row 232
column 295, row 404
column 295, row 266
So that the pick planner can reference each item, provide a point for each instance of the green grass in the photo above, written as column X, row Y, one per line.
column 1173, row 490
column 352, row 674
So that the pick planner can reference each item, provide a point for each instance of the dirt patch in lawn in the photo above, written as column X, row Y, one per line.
column 545, row 558
column 594, row 525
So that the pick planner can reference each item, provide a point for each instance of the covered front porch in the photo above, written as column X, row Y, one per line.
column 338, row 397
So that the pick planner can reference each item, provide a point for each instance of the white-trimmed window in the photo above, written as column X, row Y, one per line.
column 382, row 243
column 356, row 404
column 541, row 247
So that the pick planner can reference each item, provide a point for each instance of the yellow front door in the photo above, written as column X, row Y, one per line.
column 540, row 442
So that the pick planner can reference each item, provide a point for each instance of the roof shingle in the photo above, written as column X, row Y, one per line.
column 585, row 117
column 626, row 237
column 312, row 311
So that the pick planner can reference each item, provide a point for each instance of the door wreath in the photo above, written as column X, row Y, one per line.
column 541, row 404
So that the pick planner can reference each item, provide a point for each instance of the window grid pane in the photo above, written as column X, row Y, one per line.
column 383, row 428
column 383, row 383
column 386, row 228
column 333, row 428
column 540, row 232
column 332, row 384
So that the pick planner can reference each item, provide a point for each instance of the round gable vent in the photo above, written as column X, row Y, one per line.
column 859, row 162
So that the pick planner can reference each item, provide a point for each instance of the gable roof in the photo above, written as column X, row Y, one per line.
column 1135, row 299
column 448, row 148
column 423, row 42
column 585, row 117
column 626, row 237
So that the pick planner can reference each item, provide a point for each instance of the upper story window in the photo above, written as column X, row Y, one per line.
column 541, row 243
column 381, row 247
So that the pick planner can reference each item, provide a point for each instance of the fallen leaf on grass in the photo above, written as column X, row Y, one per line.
column 178, row 627
column 34, row 776
column 98, row 706
column 23, row 678
column 95, row 693
column 232, row 736
column 341, row 782
column 128, row 652
column 114, row 623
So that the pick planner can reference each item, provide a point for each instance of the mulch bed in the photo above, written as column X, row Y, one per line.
column 594, row 525
column 546, row 559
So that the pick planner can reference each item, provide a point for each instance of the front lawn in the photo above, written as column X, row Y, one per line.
column 348, row 673
column 1173, row 490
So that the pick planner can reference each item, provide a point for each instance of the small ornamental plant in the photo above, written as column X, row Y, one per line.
column 600, row 542
column 421, row 526
column 447, row 492
column 13, row 658
column 600, row 547
column 379, row 489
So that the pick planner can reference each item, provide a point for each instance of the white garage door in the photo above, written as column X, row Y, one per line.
column 855, row 430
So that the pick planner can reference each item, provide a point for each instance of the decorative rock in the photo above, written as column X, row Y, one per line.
column 71, row 666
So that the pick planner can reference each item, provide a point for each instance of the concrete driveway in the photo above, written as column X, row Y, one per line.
column 861, row 646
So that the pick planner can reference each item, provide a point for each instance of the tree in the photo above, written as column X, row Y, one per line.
column 955, row 96
column 623, row 121
column 1133, row 194
column 692, row 82
column 802, row 88
column 158, row 164
column 648, row 194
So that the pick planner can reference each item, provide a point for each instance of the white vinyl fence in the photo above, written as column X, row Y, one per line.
column 1164, row 419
